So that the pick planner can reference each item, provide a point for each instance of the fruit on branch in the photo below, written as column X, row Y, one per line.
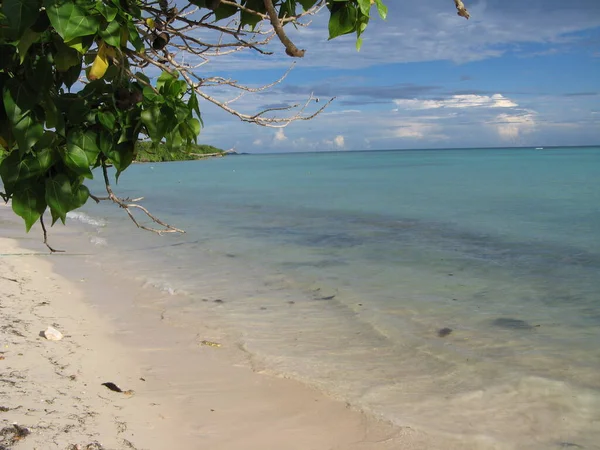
column 172, row 13
column 126, row 98
column 160, row 41
column 164, row 5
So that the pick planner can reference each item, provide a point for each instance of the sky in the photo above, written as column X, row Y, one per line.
column 517, row 74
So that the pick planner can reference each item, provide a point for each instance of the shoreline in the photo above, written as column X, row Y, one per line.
column 186, row 392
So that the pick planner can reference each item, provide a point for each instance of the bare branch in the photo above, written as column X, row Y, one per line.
column 290, row 48
column 52, row 250
column 462, row 10
column 124, row 203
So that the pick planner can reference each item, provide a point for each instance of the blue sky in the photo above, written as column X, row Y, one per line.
column 518, row 73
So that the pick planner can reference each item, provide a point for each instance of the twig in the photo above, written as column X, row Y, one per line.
column 52, row 250
column 462, row 10
column 123, row 203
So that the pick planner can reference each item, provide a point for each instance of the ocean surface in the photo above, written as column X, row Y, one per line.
column 452, row 291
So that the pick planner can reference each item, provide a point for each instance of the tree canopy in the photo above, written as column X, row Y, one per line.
column 82, row 81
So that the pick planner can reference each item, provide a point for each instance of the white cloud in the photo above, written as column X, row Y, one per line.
column 511, row 127
column 338, row 141
column 418, row 130
column 458, row 101
column 279, row 136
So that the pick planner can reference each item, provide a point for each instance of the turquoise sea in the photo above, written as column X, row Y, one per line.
column 452, row 291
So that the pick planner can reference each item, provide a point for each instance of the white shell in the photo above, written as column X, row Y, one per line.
column 52, row 334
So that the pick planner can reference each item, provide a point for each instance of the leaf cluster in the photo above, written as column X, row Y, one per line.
column 74, row 94
column 56, row 127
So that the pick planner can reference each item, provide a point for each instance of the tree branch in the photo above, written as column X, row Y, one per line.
column 290, row 48
column 52, row 250
column 128, row 206
column 462, row 10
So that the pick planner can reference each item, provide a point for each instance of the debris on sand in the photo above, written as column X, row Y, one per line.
column 11, row 435
column 113, row 387
column 52, row 334
column 91, row 446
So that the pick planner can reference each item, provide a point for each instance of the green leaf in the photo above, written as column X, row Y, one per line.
column 342, row 21
column 365, row 6
column 80, row 44
column 112, row 34
column 70, row 20
column 194, row 125
column 66, row 57
column 307, row 4
column 21, row 94
column 174, row 140
column 80, row 196
column 53, row 116
column 107, row 119
column 121, row 155
column 28, row 38
column 75, row 155
column 109, row 12
column 225, row 11
column 382, row 9
column 20, row 14
column 72, row 74
column 59, row 196
column 152, row 96
column 29, row 202
column 153, row 119
column 134, row 37
column 25, row 129
column 165, row 79
column 252, row 19
column 359, row 42
column 40, row 74
column 15, row 169
column 193, row 103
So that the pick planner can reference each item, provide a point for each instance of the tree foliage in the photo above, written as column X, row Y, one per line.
column 77, row 92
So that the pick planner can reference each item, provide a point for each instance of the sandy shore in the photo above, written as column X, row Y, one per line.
column 185, row 394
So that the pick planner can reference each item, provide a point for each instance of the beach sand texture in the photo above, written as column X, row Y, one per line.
column 184, row 395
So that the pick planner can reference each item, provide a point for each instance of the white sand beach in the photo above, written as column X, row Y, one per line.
column 179, row 393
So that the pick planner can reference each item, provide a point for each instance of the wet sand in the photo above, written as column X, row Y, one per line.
column 183, row 388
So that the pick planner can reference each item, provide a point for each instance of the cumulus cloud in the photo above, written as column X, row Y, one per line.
column 279, row 136
column 511, row 127
column 418, row 131
column 458, row 101
column 338, row 141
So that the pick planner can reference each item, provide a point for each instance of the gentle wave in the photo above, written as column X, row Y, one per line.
column 86, row 219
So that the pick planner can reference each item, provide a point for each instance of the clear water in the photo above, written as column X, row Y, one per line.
column 340, row 269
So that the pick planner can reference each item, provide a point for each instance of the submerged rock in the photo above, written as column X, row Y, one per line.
column 512, row 324
column 443, row 332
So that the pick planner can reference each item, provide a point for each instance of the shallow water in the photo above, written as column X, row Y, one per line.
column 340, row 269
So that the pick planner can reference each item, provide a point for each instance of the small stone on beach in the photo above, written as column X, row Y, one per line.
column 52, row 334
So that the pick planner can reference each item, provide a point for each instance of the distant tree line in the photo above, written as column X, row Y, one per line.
column 147, row 152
